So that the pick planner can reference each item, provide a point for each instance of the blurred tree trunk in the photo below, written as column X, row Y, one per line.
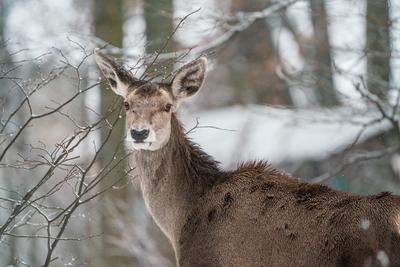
column 303, row 81
column 378, row 47
column 326, row 95
column 252, row 62
column 108, row 26
column 158, row 15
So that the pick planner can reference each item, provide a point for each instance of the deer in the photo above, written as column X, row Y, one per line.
column 255, row 215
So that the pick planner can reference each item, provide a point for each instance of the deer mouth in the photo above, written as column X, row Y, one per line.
column 141, row 145
column 142, row 142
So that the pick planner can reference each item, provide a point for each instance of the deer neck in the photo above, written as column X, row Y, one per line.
column 173, row 178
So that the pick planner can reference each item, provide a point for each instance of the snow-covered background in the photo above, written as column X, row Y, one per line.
column 295, row 88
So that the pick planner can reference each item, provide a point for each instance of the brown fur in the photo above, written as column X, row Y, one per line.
column 259, row 216
column 250, row 217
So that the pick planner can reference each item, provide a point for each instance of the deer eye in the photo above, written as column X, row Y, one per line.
column 167, row 107
column 126, row 105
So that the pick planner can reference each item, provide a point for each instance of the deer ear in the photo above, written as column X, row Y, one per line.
column 118, row 77
column 188, row 80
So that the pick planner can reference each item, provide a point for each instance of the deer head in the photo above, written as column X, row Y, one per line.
column 149, row 105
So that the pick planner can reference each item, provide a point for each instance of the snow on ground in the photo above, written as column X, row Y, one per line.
column 276, row 135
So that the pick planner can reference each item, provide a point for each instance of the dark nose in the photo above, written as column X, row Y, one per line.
column 139, row 135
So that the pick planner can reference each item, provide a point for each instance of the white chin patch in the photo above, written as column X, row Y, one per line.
column 147, row 144
column 140, row 146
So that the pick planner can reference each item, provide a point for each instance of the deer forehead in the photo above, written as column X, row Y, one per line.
column 149, row 97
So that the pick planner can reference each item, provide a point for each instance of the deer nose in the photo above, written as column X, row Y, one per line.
column 140, row 135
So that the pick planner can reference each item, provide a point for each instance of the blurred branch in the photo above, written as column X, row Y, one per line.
column 355, row 158
column 388, row 113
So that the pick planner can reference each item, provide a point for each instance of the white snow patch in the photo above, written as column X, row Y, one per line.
column 277, row 135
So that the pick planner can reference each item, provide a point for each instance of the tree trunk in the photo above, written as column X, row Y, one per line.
column 109, row 26
column 378, row 47
column 326, row 95
column 159, row 21
column 252, row 63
